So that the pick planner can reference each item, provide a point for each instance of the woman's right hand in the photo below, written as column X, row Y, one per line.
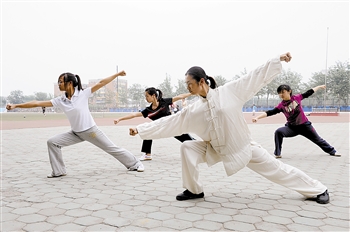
column 116, row 121
column 121, row 73
column 254, row 120
column 10, row 106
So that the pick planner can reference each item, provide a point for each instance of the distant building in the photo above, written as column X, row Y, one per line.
column 57, row 92
column 106, row 97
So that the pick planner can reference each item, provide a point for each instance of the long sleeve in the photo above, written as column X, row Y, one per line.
column 247, row 86
column 165, row 127
column 272, row 112
column 308, row 93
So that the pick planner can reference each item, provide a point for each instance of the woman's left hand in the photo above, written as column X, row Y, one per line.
column 133, row 131
column 286, row 57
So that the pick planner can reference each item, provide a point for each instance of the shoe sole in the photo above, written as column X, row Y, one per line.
column 322, row 202
column 50, row 176
column 185, row 197
column 190, row 198
column 336, row 155
column 278, row 157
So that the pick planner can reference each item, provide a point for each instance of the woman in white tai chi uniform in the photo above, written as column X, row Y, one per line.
column 218, row 120
column 74, row 103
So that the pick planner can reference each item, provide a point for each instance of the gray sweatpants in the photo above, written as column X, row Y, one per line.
column 93, row 135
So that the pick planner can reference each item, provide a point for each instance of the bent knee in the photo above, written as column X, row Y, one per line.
column 52, row 141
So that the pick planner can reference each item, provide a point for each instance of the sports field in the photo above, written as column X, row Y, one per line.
column 20, row 120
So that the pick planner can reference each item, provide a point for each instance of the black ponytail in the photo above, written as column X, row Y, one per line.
column 80, row 87
column 198, row 73
column 160, row 95
column 213, row 84
column 153, row 91
column 69, row 77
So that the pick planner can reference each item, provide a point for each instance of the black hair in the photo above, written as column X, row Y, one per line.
column 198, row 73
column 153, row 91
column 75, row 79
column 284, row 87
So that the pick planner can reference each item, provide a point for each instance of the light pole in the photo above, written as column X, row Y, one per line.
column 117, row 89
column 325, row 76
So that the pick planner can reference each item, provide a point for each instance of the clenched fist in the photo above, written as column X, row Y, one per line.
column 286, row 57
column 133, row 131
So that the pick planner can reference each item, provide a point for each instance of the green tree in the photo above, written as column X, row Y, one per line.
column 181, row 87
column 41, row 96
column 237, row 76
column 316, row 79
column 27, row 98
column 166, row 87
column 293, row 79
column 16, row 97
column 111, row 98
column 220, row 80
column 137, row 94
column 2, row 102
column 123, row 97
column 338, row 81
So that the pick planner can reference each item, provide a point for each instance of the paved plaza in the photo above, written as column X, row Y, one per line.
column 99, row 194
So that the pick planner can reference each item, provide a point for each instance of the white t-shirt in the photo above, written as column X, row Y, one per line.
column 76, row 109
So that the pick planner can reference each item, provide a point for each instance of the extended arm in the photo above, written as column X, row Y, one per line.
column 267, row 114
column 263, row 115
column 312, row 91
column 247, row 86
column 181, row 96
column 127, row 117
column 30, row 104
column 105, row 81
column 164, row 127
column 319, row 87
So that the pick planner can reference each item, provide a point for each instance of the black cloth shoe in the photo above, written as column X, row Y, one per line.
column 323, row 198
column 186, row 195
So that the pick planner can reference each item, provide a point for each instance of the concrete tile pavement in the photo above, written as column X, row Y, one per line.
column 99, row 194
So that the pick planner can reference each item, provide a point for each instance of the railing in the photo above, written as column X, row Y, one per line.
column 325, row 110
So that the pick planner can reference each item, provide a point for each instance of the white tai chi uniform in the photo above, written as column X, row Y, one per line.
column 218, row 120
column 83, row 129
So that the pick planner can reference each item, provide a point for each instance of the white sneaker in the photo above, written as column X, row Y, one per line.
column 139, row 168
column 145, row 157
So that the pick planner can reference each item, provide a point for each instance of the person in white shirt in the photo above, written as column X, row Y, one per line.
column 218, row 120
column 74, row 103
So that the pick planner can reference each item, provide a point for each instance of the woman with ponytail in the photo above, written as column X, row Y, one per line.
column 158, row 108
column 74, row 103
column 218, row 120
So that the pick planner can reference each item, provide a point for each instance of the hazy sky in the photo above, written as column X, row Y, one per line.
column 149, row 39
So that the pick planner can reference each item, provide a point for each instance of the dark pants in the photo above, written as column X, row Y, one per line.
column 306, row 130
column 147, row 144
